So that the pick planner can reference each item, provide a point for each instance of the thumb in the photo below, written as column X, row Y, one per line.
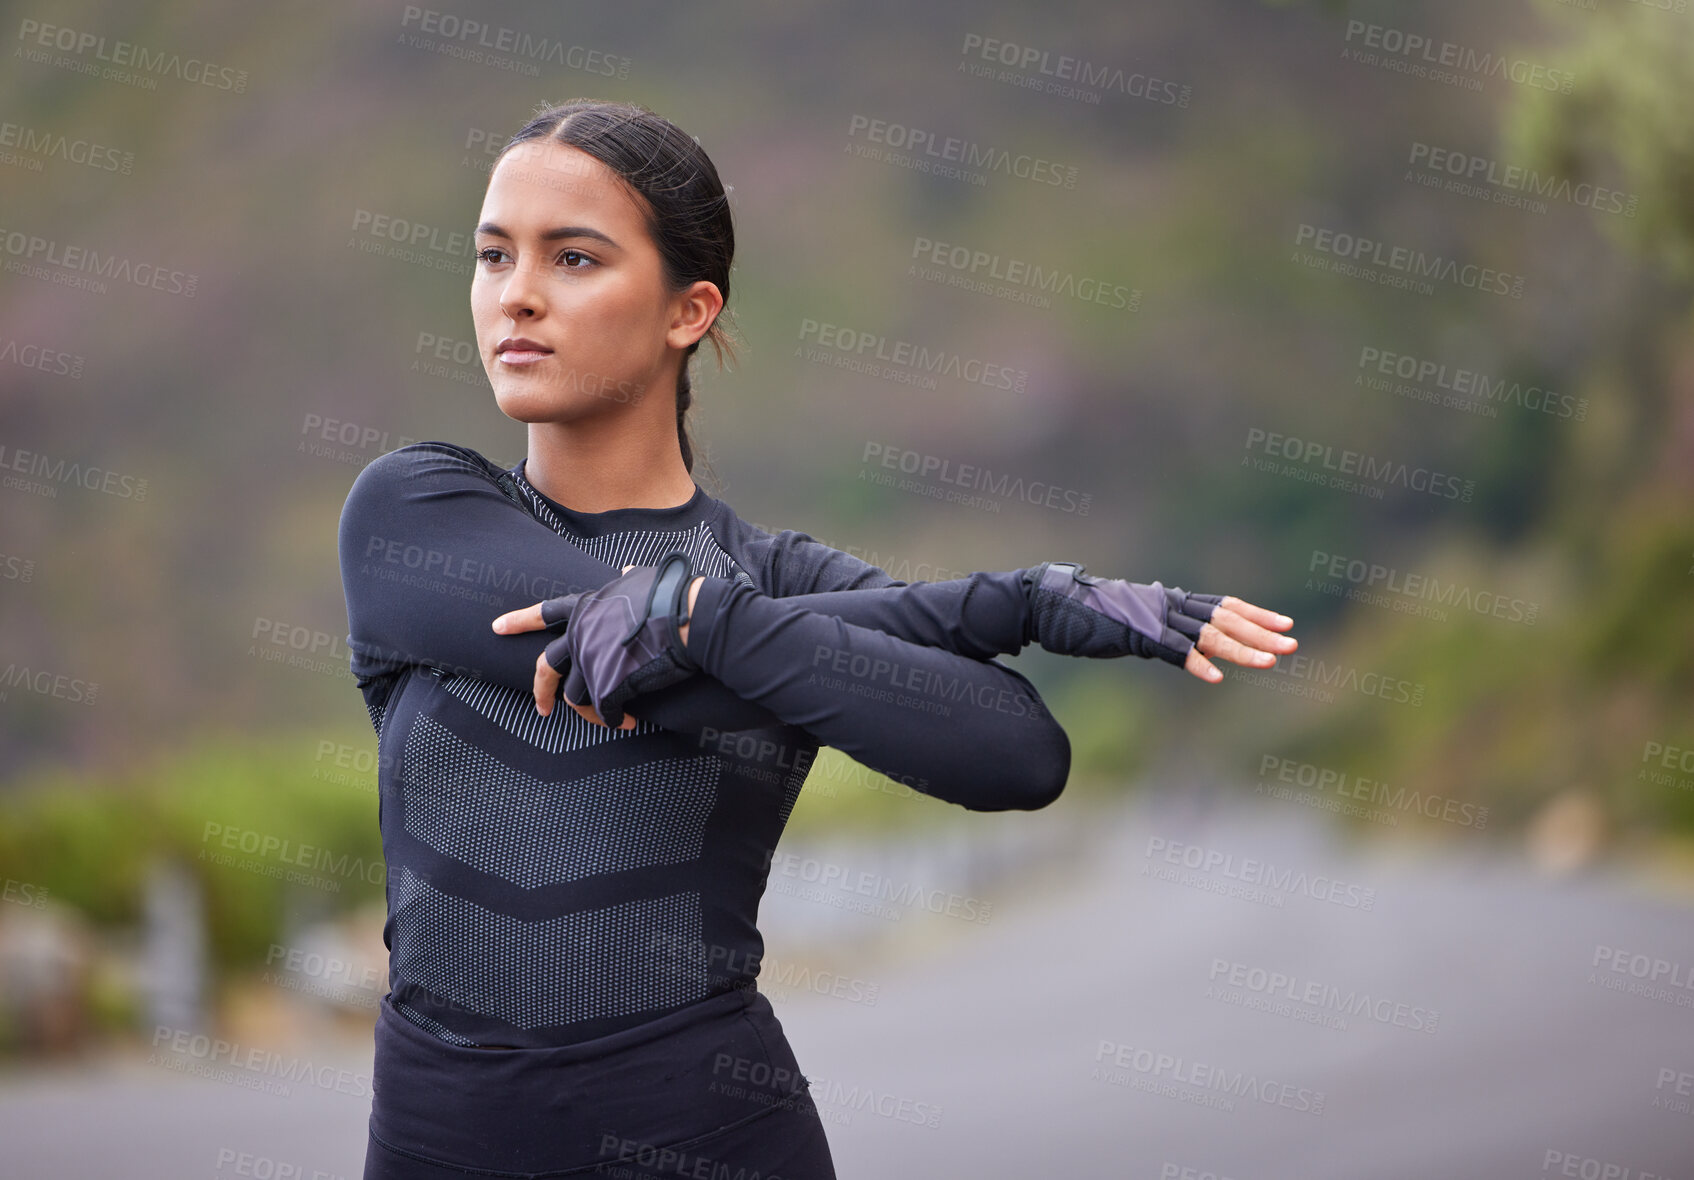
column 556, row 612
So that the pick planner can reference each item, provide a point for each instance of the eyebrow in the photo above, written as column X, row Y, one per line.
column 551, row 235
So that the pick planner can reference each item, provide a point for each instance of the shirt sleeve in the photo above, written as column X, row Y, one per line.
column 432, row 549
column 967, row 731
column 981, row 615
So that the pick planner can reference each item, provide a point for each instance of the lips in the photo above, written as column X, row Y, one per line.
column 521, row 344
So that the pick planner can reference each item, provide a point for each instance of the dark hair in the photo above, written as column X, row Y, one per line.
column 686, row 208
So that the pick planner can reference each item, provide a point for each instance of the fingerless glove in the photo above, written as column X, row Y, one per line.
column 624, row 638
column 1074, row 614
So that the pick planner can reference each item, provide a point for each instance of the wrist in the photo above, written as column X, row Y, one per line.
column 693, row 594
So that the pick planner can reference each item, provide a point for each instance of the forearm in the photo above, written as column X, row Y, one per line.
column 431, row 551
column 979, row 616
column 975, row 731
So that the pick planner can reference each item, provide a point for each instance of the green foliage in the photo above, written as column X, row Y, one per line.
column 90, row 842
column 1625, row 123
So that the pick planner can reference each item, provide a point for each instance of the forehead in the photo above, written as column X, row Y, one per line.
column 539, row 184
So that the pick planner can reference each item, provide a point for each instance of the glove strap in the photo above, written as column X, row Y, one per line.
column 667, row 598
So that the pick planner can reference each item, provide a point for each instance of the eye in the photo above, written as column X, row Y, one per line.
column 485, row 254
column 568, row 254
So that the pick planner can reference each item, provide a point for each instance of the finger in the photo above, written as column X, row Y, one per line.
column 516, row 621
column 1250, row 633
column 1213, row 642
column 1200, row 666
column 1256, row 614
column 589, row 712
column 546, row 685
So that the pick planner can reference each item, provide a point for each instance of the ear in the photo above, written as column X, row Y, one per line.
column 694, row 310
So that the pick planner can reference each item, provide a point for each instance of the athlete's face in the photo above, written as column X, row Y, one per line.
column 564, row 260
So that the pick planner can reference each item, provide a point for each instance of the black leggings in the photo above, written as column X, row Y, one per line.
column 787, row 1143
column 710, row 1089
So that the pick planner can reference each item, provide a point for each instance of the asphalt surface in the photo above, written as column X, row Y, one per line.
column 1188, row 991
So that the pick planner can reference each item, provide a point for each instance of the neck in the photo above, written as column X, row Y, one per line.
column 600, row 463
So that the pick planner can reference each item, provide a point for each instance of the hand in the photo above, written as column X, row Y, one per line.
column 1073, row 613
column 1241, row 633
column 554, row 614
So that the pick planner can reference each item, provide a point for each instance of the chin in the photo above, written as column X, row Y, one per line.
column 525, row 405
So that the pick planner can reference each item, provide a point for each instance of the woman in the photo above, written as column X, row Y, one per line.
column 572, row 903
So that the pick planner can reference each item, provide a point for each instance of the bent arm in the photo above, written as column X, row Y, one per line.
column 432, row 550
column 976, row 731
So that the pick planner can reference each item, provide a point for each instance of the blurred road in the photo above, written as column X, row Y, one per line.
column 1290, row 1009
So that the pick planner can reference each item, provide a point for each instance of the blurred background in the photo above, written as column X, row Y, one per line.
column 1375, row 314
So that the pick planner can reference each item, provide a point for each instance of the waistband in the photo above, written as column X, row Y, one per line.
column 694, row 1071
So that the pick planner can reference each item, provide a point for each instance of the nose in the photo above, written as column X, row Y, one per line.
column 521, row 297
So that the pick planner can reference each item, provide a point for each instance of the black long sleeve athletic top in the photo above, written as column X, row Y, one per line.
column 550, row 880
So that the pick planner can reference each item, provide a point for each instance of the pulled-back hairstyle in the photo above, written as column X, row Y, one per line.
column 686, row 209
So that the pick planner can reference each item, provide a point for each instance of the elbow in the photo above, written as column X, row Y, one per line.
column 1031, row 771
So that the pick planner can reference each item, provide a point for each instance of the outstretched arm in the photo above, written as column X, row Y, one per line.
column 970, row 732
column 975, row 730
column 432, row 549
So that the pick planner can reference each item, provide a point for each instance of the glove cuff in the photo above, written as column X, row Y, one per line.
column 667, row 600
column 1055, row 576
